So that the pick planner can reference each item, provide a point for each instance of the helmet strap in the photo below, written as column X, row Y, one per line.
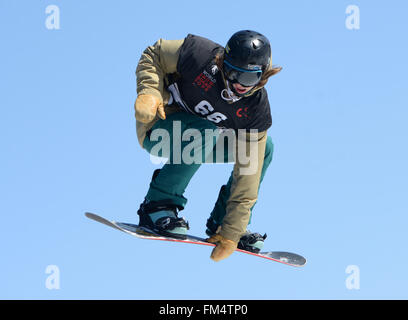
column 228, row 94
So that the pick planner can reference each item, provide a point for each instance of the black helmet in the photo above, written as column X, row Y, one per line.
column 246, row 55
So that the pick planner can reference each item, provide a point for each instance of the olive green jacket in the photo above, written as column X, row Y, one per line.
column 155, row 63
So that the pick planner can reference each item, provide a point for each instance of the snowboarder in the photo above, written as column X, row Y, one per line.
column 200, row 85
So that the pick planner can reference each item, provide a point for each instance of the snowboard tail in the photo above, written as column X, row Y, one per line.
column 287, row 258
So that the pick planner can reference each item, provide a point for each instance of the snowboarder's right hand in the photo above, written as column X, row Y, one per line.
column 147, row 106
column 224, row 247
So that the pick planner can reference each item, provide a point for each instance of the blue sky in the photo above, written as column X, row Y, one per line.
column 336, row 191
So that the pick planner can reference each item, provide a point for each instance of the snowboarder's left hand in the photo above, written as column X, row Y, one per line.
column 224, row 247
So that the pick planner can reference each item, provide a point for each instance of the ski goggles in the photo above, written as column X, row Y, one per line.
column 246, row 78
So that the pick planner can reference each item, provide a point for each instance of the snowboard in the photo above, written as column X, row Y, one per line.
column 287, row 258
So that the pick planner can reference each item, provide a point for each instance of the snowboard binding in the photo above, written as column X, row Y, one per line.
column 162, row 219
column 252, row 242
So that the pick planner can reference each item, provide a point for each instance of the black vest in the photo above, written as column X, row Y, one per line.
column 198, row 86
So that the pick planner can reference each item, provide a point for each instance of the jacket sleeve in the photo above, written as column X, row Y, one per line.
column 244, row 188
column 157, row 61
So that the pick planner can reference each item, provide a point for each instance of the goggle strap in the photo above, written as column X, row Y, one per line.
column 240, row 69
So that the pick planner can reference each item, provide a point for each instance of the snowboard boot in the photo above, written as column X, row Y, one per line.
column 252, row 242
column 162, row 219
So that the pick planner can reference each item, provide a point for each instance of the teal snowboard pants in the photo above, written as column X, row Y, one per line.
column 173, row 178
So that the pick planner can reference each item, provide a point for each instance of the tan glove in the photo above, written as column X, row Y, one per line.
column 223, row 249
column 146, row 107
